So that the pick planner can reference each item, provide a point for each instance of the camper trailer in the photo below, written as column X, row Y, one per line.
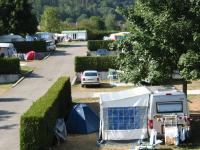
column 133, row 113
column 167, row 106
column 7, row 50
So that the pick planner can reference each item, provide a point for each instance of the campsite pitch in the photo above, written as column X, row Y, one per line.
column 88, row 142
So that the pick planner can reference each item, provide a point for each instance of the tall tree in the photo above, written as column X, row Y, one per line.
column 161, row 33
column 50, row 21
column 17, row 17
column 110, row 22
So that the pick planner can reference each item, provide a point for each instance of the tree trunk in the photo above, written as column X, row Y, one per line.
column 185, row 87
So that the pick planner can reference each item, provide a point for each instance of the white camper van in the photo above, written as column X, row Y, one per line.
column 167, row 106
column 7, row 50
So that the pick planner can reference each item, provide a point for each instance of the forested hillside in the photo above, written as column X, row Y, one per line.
column 71, row 10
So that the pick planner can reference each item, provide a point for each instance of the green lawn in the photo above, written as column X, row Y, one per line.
column 105, row 87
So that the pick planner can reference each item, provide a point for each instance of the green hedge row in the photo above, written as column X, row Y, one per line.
column 37, row 124
column 93, row 45
column 9, row 66
column 102, row 63
column 26, row 46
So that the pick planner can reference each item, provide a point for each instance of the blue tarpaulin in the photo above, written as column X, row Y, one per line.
column 82, row 120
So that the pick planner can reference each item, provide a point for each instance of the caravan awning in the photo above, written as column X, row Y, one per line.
column 133, row 97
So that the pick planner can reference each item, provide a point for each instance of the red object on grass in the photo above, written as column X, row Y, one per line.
column 30, row 55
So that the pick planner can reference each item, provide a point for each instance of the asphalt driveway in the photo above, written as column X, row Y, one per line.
column 17, row 100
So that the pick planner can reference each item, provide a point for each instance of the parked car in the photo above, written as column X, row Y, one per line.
column 7, row 50
column 51, row 46
column 102, row 52
column 46, row 36
column 90, row 77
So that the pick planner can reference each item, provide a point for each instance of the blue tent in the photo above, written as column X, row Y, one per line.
column 82, row 120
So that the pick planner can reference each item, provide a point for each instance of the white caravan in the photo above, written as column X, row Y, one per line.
column 7, row 50
column 167, row 104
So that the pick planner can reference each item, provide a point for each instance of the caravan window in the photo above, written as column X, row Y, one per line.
column 169, row 107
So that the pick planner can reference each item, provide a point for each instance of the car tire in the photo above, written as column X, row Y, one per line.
column 82, row 85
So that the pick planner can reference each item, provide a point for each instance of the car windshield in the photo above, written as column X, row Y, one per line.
column 90, row 74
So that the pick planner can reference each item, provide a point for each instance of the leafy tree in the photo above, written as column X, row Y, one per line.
column 110, row 22
column 69, row 20
column 50, row 21
column 75, row 8
column 93, row 23
column 189, row 64
column 17, row 17
column 26, row 21
column 163, row 34
column 81, row 17
column 97, row 23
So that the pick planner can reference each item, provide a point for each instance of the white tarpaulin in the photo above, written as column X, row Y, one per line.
column 123, row 115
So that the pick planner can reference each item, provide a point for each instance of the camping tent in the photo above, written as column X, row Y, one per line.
column 82, row 120
column 123, row 115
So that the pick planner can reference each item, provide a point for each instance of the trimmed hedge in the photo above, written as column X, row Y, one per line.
column 9, row 66
column 26, row 46
column 102, row 63
column 37, row 124
column 93, row 45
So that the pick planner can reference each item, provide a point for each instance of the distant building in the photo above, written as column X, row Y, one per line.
column 76, row 34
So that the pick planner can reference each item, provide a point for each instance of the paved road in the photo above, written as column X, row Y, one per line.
column 16, row 101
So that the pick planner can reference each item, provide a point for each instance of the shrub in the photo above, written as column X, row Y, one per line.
column 98, row 35
column 102, row 63
column 37, row 124
column 93, row 45
column 9, row 66
column 26, row 46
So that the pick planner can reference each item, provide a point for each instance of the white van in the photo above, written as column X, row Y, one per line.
column 7, row 50
column 167, row 103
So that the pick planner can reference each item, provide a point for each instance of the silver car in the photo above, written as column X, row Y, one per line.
column 90, row 77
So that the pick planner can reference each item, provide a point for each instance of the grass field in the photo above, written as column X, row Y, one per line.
column 105, row 87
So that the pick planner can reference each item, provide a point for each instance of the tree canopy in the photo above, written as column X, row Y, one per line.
column 165, row 36
column 17, row 17
column 75, row 8
column 50, row 21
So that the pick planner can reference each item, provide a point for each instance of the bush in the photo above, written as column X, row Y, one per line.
column 9, row 66
column 93, row 45
column 102, row 63
column 26, row 46
column 98, row 35
column 37, row 124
